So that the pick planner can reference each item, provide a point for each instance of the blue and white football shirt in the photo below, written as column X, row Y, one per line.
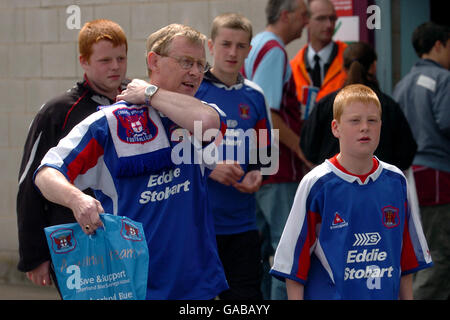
column 247, row 113
column 171, row 204
column 348, row 239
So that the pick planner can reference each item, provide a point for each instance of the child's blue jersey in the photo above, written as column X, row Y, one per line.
column 245, row 106
column 345, row 239
column 171, row 205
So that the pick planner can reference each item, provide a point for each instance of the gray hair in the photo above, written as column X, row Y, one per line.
column 274, row 8
column 160, row 40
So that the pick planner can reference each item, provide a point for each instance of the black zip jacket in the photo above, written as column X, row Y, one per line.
column 54, row 120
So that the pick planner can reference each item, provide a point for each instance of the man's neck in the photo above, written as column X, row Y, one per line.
column 433, row 57
column 109, row 94
column 277, row 29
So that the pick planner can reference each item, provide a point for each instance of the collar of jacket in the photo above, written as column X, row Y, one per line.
column 86, row 85
column 333, row 66
column 422, row 62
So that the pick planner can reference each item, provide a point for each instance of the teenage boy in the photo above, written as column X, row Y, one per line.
column 231, row 186
column 103, row 48
column 351, row 233
column 124, row 152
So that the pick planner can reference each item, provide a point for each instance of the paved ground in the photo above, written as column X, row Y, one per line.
column 27, row 292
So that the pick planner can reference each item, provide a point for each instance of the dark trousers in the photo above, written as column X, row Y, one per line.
column 240, row 254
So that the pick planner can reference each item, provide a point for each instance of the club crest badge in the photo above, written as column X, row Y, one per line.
column 244, row 111
column 391, row 217
column 134, row 125
column 63, row 240
column 130, row 231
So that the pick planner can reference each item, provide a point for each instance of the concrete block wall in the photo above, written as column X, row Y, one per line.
column 39, row 59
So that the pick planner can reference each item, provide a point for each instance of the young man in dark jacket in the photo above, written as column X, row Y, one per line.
column 103, row 56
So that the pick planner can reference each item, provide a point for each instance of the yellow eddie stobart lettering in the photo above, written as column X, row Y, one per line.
column 161, row 179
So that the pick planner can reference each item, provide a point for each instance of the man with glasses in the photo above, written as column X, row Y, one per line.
column 126, row 153
column 318, row 66
column 103, row 50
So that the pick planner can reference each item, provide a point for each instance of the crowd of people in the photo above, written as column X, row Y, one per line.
column 340, row 218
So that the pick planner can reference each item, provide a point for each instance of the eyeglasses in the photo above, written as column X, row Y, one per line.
column 187, row 63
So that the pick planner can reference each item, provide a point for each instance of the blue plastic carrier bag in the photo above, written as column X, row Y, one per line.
column 112, row 264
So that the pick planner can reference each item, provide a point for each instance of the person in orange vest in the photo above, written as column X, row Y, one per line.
column 317, row 67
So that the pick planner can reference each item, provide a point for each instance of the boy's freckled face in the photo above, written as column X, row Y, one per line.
column 358, row 129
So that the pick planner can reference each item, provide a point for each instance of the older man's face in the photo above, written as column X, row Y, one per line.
column 298, row 19
column 181, row 69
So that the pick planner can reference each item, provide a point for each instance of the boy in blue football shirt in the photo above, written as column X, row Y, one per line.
column 232, row 184
column 351, row 233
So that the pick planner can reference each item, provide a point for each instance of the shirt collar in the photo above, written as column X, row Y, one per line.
column 86, row 84
column 323, row 53
column 351, row 178
column 213, row 79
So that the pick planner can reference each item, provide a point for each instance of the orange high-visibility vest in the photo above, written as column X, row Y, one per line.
column 334, row 78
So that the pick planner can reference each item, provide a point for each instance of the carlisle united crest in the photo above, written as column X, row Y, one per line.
column 134, row 125
column 244, row 111
column 391, row 218
column 63, row 240
column 130, row 231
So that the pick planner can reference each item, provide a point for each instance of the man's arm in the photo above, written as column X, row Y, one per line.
column 289, row 138
column 31, row 207
column 440, row 108
column 182, row 109
column 269, row 76
column 56, row 188
column 406, row 292
column 294, row 290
